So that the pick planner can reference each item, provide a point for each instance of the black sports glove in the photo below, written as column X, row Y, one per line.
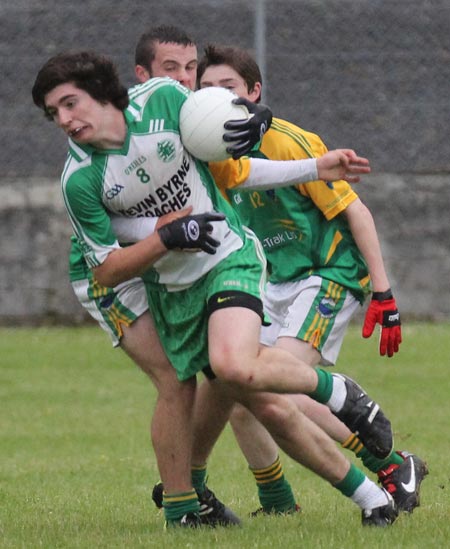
column 191, row 232
column 247, row 132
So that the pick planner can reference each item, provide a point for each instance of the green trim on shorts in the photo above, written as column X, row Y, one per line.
column 116, row 315
column 320, row 319
column 112, row 308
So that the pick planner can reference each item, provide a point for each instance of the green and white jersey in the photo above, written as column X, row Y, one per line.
column 151, row 175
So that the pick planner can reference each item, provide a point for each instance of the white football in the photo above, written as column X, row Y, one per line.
column 202, row 117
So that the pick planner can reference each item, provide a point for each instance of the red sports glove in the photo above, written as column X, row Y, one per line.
column 383, row 310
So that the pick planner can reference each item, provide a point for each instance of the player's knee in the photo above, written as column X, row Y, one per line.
column 234, row 373
column 170, row 388
column 226, row 372
column 224, row 365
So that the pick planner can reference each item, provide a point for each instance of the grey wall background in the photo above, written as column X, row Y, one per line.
column 368, row 74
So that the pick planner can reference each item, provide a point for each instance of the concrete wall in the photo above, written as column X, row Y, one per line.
column 34, row 285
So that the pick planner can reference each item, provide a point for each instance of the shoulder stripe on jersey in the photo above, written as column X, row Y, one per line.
column 281, row 126
column 156, row 125
column 141, row 93
column 65, row 170
column 75, row 224
column 149, row 87
column 300, row 139
column 77, row 227
column 133, row 109
column 76, row 151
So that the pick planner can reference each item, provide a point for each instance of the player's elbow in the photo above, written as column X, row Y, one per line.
column 357, row 209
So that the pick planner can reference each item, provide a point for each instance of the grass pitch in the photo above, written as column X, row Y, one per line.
column 77, row 468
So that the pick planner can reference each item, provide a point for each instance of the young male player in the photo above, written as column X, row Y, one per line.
column 113, row 148
column 123, row 313
column 323, row 252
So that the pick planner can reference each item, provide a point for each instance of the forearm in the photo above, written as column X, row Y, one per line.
column 133, row 229
column 280, row 173
column 332, row 166
column 125, row 263
column 365, row 235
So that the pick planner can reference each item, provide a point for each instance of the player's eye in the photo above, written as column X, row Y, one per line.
column 50, row 114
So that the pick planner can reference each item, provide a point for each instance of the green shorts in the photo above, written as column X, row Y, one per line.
column 181, row 318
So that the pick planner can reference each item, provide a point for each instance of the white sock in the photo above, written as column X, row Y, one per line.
column 369, row 496
column 338, row 394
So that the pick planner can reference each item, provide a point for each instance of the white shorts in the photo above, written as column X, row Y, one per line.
column 315, row 310
column 112, row 308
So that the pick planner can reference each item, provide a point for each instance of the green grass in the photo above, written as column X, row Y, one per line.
column 76, row 465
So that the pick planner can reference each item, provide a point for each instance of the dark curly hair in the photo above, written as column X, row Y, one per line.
column 89, row 71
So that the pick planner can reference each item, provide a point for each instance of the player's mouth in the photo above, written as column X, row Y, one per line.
column 77, row 132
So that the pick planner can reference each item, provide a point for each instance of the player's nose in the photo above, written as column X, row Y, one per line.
column 183, row 77
column 64, row 118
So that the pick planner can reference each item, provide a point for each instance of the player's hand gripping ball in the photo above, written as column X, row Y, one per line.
column 248, row 132
column 206, row 114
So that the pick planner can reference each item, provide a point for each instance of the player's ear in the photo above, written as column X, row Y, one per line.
column 255, row 94
column 142, row 73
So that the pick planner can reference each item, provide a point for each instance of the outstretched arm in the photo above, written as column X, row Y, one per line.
column 332, row 166
column 342, row 164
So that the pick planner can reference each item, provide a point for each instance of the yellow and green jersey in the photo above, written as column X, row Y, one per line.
column 299, row 226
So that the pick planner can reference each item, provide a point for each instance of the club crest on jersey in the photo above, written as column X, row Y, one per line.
column 326, row 307
column 166, row 150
